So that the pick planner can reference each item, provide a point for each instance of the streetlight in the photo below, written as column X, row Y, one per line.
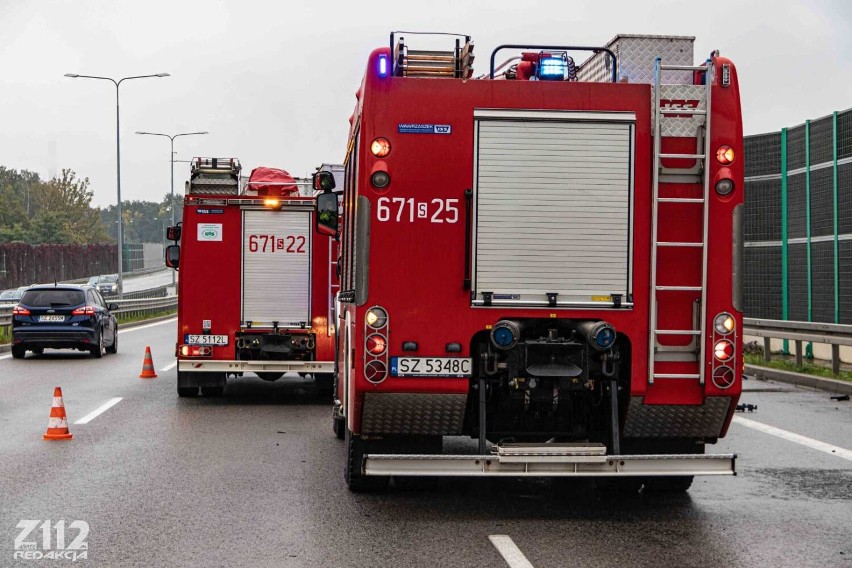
column 171, row 138
column 117, row 158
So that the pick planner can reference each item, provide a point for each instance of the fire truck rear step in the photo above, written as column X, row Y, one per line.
column 694, row 175
column 496, row 465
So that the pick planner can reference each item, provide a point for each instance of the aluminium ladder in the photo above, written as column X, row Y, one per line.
column 697, row 174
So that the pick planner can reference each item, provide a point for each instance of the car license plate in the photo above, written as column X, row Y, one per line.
column 430, row 367
column 190, row 339
column 51, row 318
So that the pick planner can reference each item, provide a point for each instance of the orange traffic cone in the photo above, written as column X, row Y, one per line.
column 148, row 366
column 57, row 427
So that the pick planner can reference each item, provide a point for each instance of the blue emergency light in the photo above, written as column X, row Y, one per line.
column 552, row 66
column 383, row 65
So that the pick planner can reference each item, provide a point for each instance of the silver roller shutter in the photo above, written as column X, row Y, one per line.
column 552, row 207
column 276, row 268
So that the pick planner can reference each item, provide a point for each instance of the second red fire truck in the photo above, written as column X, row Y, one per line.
column 546, row 258
column 255, row 287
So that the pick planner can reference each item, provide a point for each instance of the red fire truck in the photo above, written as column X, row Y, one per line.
column 546, row 259
column 254, row 288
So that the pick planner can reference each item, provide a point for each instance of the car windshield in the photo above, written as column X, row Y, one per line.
column 53, row 297
column 92, row 281
column 109, row 278
column 9, row 295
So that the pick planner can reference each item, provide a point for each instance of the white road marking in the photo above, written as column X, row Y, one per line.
column 146, row 326
column 9, row 356
column 509, row 551
column 796, row 438
column 99, row 410
column 169, row 367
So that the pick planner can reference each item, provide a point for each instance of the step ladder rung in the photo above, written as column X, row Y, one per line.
column 677, row 332
column 680, row 199
column 695, row 376
column 678, row 244
column 679, row 288
column 683, row 68
column 682, row 156
column 683, row 111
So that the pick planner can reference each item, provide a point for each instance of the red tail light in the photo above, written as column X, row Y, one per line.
column 84, row 311
column 376, row 344
column 196, row 350
column 20, row 311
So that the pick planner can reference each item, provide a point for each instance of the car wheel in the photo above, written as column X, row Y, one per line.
column 19, row 351
column 98, row 350
column 112, row 349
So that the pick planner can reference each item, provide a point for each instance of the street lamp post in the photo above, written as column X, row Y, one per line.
column 171, row 138
column 117, row 159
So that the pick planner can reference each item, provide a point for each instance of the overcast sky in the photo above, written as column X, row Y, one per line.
column 274, row 82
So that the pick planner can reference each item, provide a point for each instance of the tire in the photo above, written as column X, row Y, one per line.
column 338, row 425
column 113, row 349
column 356, row 481
column 325, row 384
column 98, row 350
column 19, row 351
column 618, row 486
column 677, row 484
column 212, row 392
column 270, row 376
column 187, row 391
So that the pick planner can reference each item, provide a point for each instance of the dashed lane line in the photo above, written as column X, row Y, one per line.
column 509, row 551
column 796, row 438
column 169, row 367
column 146, row 326
column 99, row 410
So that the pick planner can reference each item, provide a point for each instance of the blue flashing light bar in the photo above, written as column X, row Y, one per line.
column 552, row 66
column 383, row 67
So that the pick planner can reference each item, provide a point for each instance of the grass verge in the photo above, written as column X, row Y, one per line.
column 806, row 368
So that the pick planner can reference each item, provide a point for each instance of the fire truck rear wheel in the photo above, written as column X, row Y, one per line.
column 324, row 383
column 212, row 391
column 353, row 474
column 677, row 484
column 339, row 427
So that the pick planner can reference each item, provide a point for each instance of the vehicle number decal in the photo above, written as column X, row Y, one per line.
column 193, row 339
column 430, row 366
column 401, row 210
column 290, row 244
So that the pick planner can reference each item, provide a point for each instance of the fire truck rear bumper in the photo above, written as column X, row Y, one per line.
column 220, row 366
column 548, row 465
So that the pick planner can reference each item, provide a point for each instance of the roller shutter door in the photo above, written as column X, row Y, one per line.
column 552, row 208
column 276, row 268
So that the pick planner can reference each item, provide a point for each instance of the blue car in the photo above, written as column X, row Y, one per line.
column 63, row 317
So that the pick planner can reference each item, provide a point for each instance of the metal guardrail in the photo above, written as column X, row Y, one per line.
column 133, row 308
column 833, row 334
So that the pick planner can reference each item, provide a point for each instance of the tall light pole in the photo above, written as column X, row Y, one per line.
column 117, row 84
column 171, row 138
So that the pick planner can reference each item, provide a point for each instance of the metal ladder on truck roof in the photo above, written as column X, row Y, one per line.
column 699, row 173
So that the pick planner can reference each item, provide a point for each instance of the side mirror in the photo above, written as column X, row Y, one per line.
column 112, row 307
column 326, row 213
column 323, row 181
column 173, row 233
column 173, row 256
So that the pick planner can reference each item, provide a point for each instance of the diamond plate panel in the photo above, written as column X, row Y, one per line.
column 689, row 96
column 636, row 54
column 676, row 421
column 413, row 413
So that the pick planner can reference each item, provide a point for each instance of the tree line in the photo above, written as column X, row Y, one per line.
column 59, row 211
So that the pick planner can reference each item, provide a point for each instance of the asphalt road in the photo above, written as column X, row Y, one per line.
column 255, row 479
column 147, row 281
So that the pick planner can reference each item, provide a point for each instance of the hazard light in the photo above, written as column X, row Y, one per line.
column 196, row 350
column 725, row 155
column 84, row 311
column 380, row 147
column 724, row 323
column 272, row 203
column 376, row 317
column 20, row 311
column 552, row 66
